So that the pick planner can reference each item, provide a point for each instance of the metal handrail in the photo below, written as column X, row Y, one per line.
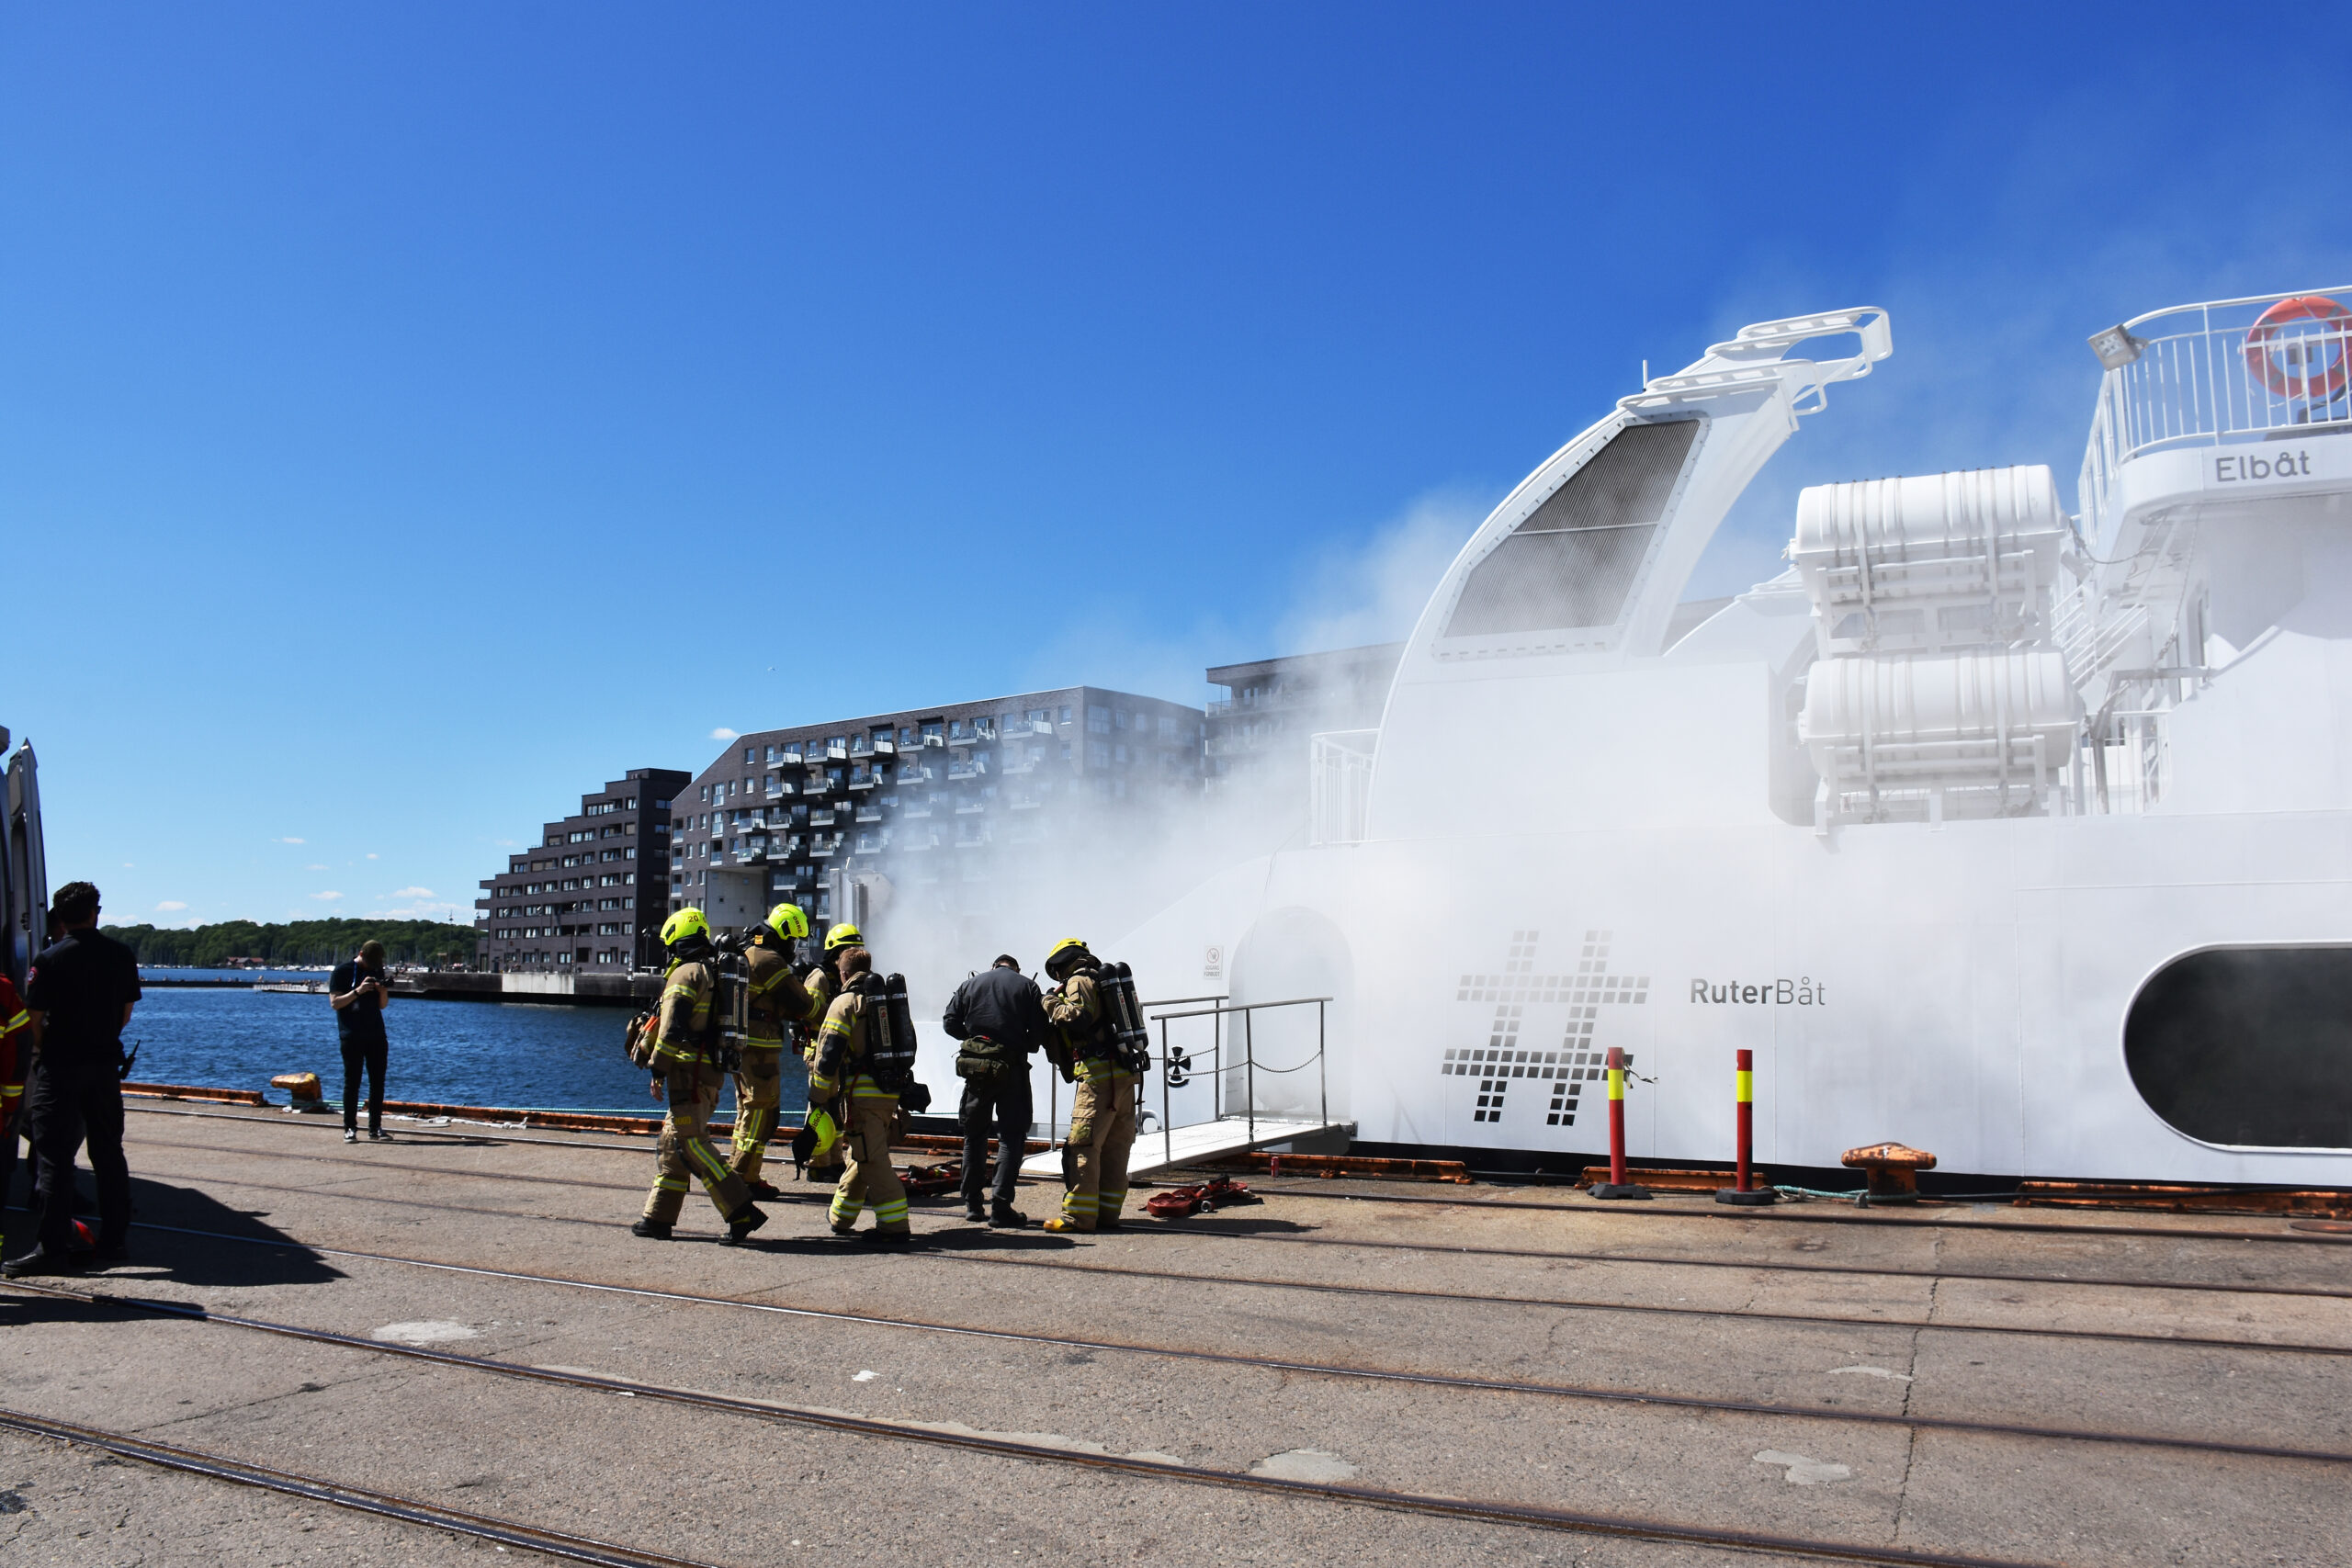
column 2190, row 386
column 1248, row 1058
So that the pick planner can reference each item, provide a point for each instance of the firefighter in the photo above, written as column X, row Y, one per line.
column 777, row 1002
column 18, row 1035
column 1103, row 1113
column 814, row 1146
column 685, row 1054
column 841, row 1071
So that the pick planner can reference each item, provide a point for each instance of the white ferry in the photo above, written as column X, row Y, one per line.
column 2019, row 835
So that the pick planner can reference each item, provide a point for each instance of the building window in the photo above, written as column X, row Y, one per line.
column 1098, row 721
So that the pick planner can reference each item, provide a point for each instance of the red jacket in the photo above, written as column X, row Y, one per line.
column 15, row 1037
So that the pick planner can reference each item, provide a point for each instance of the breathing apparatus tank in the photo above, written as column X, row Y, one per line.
column 889, row 1031
column 731, row 1003
column 1123, row 1015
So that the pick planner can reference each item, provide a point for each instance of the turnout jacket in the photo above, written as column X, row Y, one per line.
column 820, row 987
column 1075, row 1009
column 685, row 1033
column 777, row 1000
column 15, row 1051
column 840, row 1054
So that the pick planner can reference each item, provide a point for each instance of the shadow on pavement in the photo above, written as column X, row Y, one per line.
column 230, row 1247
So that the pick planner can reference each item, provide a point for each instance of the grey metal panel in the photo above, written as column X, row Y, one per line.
column 1571, row 563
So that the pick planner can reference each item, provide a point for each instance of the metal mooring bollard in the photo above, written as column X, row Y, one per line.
column 1746, row 1192
column 1617, row 1185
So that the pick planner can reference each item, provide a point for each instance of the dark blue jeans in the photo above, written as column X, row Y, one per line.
column 1004, row 1103
column 358, row 1053
column 66, row 1105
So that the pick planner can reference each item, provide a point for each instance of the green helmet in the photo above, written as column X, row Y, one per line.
column 684, row 927
column 843, row 935
column 788, row 921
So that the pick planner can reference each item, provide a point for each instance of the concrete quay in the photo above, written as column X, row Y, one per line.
column 460, row 1322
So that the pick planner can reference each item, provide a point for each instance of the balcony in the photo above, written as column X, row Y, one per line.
column 965, row 770
column 918, row 808
column 971, row 807
column 822, row 818
column 886, row 748
column 868, row 782
column 838, row 753
column 934, row 738
column 2214, row 375
column 1024, row 802
column 869, row 814
column 788, row 757
column 861, row 747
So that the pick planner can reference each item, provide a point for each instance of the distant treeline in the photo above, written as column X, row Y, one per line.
column 299, row 942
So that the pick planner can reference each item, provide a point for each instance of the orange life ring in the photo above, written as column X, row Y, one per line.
column 2309, row 364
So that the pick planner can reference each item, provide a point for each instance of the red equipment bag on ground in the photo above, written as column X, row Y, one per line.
column 1182, row 1202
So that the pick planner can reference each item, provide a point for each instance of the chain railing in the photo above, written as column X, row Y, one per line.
column 1177, row 1066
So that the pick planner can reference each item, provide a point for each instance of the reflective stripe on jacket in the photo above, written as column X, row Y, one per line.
column 840, row 1050
column 685, row 1016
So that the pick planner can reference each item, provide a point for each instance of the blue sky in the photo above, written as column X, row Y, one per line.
column 412, row 416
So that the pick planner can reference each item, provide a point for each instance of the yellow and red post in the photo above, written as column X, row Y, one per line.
column 1744, row 1100
column 1617, row 1185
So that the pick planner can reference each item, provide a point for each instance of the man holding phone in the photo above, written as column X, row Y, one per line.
column 358, row 990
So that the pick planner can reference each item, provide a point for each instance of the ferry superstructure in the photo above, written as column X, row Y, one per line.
column 2020, row 835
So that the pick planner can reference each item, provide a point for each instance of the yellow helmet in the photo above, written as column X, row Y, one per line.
column 1065, row 953
column 789, row 922
column 843, row 935
column 683, row 926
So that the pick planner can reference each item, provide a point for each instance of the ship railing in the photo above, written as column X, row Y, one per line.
column 1233, row 1054
column 2204, row 375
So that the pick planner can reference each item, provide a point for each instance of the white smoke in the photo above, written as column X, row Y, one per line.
column 1109, row 867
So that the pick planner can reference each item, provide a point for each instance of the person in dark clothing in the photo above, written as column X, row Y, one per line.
column 1001, row 1018
column 358, row 990
column 82, row 987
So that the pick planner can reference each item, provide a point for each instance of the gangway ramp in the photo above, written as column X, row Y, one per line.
column 1200, row 1143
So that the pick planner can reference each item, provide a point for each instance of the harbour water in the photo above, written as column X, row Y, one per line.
column 506, row 1053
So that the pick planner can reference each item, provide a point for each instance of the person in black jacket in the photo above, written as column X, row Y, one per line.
column 1001, row 1018
column 82, row 987
column 357, row 991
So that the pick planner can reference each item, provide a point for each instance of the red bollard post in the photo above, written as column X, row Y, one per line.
column 1747, row 1191
column 1617, row 1185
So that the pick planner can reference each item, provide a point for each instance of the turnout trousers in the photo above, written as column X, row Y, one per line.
column 1102, row 1131
column 1003, row 1104
column 869, row 1180
column 685, row 1153
column 758, row 1091
column 65, row 1105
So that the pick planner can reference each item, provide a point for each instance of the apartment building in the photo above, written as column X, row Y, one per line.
column 927, row 805
column 592, row 893
column 1258, row 733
